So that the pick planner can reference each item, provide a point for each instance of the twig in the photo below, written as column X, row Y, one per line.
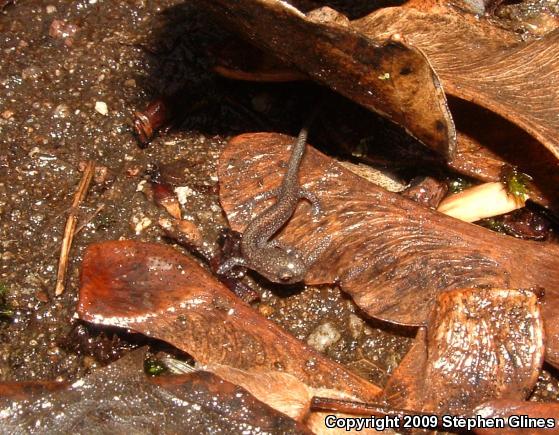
column 71, row 226
column 89, row 218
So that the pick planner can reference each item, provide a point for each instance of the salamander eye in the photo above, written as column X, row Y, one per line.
column 286, row 276
column 288, row 272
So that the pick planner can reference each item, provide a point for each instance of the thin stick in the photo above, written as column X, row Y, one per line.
column 89, row 218
column 71, row 226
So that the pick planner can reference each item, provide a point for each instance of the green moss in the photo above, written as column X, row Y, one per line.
column 458, row 184
column 153, row 367
column 517, row 183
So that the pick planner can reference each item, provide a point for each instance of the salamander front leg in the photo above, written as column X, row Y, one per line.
column 264, row 196
column 312, row 198
column 229, row 264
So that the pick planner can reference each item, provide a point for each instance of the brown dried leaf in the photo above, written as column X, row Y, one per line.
column 481, row 345
column 482, row 63
column 121, row 399
column 281, row 391
column 482, row 153
column 390, row 254
column 390, row 78
column 505, row 408
column 164, row 197
column 406, row 387
column 456, row 42
column 161, row 293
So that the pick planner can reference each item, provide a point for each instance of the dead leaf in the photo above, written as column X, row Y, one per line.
column 489, row 145
column 390, row 254
column 463, row 48
column 155, row 290
column 390, row 78
column 481, row 345
column 239, row 61
column 504, row 408
column 479, row 62
column 121, row 399
column 282, row 391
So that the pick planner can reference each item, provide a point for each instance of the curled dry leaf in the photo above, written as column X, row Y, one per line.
column 391, row 77
column 392, row 255
column 463, row 48
column 281, row 391
column 164, row 197
column 480, row 62
column 480, row 345
column 161, row 293
column 121, row 399
column 504, row 408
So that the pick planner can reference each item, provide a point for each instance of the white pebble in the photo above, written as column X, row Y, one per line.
column 183, row 192
column 101, row 107
column 323, row 337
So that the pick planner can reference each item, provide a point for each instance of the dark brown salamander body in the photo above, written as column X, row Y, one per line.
column 260, row 253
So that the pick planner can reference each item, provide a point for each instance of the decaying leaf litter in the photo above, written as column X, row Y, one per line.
column 490, row 259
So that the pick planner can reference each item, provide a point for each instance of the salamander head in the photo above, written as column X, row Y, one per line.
column 292, row 271
column 281, row 267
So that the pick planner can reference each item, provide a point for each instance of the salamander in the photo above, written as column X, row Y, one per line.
column 260, row 253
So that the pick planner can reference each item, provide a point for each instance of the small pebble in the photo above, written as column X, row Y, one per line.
column 140, row 223
column 323, row 337
column 101, row 174
column 62, row 29
column 266, row 310
column 183, row 192
column 356, row 326
column 133, row 171
column 51, row 9
column 31, row 73
column 7, row 114
column 61, row 111
column 101, row 107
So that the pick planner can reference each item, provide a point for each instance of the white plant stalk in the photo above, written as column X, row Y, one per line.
column 479, row 202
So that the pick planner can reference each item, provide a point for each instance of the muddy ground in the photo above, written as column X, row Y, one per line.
column 71, row 76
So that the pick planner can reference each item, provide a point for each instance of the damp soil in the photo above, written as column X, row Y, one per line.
column 72, row 74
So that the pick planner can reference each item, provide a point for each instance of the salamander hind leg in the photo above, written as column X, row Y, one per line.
column 312, row 198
